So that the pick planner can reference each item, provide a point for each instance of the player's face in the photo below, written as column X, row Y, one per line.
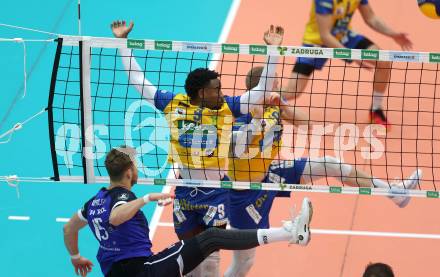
column 212, row 96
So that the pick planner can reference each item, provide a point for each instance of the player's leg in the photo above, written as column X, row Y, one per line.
column 382, row 74
column 214, row 239
column 186, row 255
column 199, row 209
column 249, row 210
column 328, row 166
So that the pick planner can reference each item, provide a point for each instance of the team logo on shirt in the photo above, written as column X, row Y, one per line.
column 123, row 196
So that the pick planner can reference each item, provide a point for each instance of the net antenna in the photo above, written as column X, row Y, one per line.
column 79, row 17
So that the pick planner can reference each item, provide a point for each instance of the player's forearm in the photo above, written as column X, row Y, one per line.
column 71, row 240
column 331, row 41
column 126, row 211
column 136, row 76
column 378, row 25
column 262, row 91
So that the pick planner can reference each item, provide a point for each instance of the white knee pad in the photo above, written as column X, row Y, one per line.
column 242, row 262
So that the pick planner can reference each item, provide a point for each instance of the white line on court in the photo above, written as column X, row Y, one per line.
column 354, row 233
column 62, row 219
column 21, row 218
column 212, row 65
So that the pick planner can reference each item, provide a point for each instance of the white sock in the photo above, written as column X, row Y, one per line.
column 377, row 100
column 378, row 183
column 242, row 261
column 271, row 235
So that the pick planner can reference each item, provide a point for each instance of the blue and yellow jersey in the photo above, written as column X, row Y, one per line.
column 342, row 12
column 265, row 146
column 200, row 137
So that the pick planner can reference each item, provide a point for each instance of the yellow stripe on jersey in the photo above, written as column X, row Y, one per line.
column 253, row 165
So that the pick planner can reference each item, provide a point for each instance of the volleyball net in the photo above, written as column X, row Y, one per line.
column 93, row 108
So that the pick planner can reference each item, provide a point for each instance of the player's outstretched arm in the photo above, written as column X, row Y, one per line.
column 290, row 114
column 126, row 211
column 257, row 95
column 134, row 71
column 377, row 24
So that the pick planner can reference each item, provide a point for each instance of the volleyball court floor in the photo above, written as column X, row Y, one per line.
column 326, row 255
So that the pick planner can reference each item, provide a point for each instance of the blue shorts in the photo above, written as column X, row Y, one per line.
column 200, row 207
column 250, row 208
column 352, row 41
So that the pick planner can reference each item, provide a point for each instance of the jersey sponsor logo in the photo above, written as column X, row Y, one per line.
column 193, row 135
column 275, row 178
column 253, row 213
column 220, row 222
column 177, row 212
column 210, row 214
column 184, row 205
column 179, row 216
column 260, row 201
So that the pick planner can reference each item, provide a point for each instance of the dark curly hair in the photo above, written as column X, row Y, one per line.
column 198, row 79
column 378, row 270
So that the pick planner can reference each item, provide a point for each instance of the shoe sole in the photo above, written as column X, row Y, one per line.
column 307, row 205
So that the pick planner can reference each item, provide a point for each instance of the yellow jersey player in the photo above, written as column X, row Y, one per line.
column 201, row 123
column 329, row 26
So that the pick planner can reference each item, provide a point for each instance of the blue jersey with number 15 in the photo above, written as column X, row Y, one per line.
column 128, row 240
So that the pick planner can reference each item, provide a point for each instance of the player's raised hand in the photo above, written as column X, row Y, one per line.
column 403, row 40
column 274, row 36
column 120, row 28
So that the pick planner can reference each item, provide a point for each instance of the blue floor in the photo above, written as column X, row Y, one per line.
column 35, row 247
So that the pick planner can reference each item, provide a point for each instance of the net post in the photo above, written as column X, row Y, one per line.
column 79, row 17
column 86, row 112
